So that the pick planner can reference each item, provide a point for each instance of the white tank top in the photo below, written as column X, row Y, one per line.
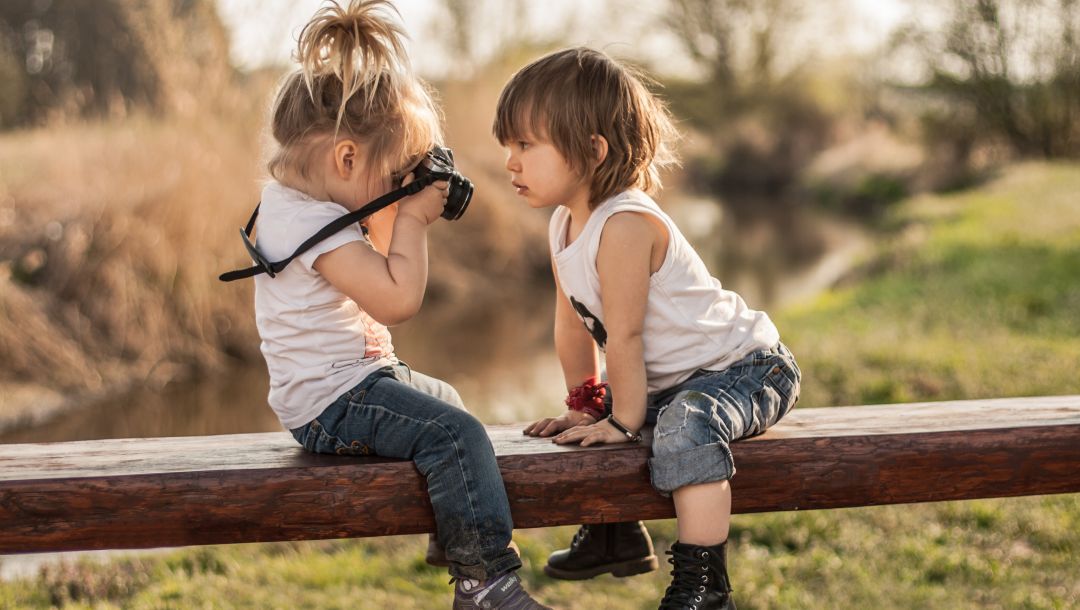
column 691, row 322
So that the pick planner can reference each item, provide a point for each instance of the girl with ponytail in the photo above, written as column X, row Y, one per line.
column 348, row 125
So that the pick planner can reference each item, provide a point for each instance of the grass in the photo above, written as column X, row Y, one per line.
column 973, row 294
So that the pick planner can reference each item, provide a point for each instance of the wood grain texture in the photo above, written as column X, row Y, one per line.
column 140, row 493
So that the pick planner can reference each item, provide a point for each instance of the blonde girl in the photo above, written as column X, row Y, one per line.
column 348, row 125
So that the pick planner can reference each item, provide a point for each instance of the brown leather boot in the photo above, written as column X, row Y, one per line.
column 622, row 549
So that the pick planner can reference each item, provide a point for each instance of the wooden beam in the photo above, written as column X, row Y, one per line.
column 141, row 493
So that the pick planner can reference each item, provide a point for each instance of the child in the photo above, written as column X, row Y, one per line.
column 584, row 134
column 349, row 123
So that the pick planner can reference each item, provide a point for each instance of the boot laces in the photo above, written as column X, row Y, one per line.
column 580, row 537
column 690, row 579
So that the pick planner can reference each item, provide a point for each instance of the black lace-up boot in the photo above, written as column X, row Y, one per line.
column 623, row 549
column 699, row 580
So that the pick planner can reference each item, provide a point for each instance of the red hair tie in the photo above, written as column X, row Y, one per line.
column 588, row 398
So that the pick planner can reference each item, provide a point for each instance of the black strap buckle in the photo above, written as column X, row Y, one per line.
column 260, row 261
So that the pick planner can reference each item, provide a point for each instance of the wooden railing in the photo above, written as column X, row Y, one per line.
column 140, row 493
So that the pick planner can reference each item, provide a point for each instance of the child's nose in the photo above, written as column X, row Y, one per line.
column 512, row 162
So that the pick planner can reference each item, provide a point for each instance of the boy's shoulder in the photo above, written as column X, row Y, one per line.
column 629, row 198
column 631, row 215
column 629, row 225
column 635, row 201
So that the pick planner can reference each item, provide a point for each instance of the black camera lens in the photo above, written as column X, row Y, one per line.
column 440, row 163
column 458, row 197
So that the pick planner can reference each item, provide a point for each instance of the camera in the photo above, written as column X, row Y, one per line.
column 439, row 162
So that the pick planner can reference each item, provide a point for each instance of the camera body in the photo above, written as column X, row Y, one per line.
column 439, row 162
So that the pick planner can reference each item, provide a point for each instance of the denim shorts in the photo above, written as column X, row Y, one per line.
column 697, row 420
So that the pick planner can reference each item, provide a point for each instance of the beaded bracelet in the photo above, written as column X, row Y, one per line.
column 588, row 398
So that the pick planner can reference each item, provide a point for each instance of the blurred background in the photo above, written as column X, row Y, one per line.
column 895, row 181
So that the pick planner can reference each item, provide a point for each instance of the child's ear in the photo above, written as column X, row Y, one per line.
column 600, row 148
column 346, row 156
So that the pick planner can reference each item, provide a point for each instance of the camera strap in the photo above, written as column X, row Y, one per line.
column 263, row 265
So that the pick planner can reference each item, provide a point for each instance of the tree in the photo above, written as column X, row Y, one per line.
column 735, row 41
column 753, row 101
column 1005, row 70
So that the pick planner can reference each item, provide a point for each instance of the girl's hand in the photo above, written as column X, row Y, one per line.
column 601, row 433
column 427, row 205
column 552, row 425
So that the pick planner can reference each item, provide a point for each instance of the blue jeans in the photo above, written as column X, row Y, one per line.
column 697, row 420
column 397, row 413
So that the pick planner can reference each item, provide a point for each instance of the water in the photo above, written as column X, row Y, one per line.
column 499, row 359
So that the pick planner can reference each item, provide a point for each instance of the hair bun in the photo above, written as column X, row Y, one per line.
column 360, row 44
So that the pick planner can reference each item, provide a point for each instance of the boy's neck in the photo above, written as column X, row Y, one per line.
column 580, row 211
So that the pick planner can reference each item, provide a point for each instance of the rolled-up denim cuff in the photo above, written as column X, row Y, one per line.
column 502, row 564
column 702, row 464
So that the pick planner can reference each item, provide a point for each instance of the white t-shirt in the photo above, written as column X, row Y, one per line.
column 317, row 342
column 691, row 322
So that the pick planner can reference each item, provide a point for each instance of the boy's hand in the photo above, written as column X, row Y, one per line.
column 601, row 433
column 554, row 425
column 427, row 205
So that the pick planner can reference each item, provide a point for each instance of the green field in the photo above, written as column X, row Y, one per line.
column 973, row 294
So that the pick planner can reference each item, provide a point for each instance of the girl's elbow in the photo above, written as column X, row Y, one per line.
column 394, row 311
column 396, row 314
column 389, row 318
